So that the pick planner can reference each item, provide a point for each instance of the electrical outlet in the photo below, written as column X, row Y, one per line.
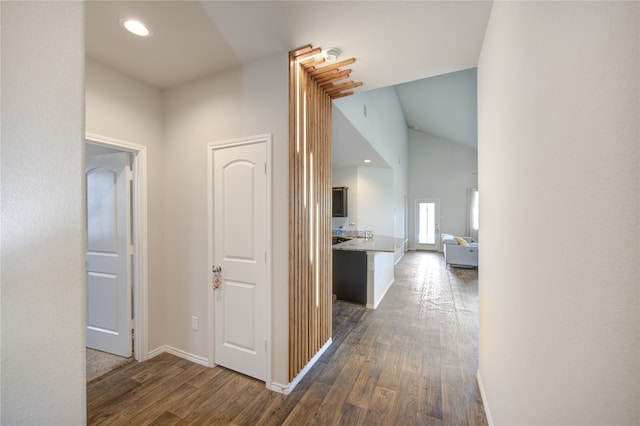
column 194, row 323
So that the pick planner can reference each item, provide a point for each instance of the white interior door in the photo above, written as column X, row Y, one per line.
column 427, row 224
column 107, row 257
column 240, row 251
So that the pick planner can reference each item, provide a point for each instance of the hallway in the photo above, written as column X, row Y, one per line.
column 411, row 361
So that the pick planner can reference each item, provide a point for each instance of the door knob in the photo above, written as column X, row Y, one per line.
column 216, row 269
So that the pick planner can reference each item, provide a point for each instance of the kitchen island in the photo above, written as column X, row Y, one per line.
column 363, row 268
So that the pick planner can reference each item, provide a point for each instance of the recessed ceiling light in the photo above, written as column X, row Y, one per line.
column 367, row 161
column 135, row 27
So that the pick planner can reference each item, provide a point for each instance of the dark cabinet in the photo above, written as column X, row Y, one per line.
column 350, row 276
column 339, row 202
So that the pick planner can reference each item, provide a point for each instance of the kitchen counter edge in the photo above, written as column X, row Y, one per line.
column 378, row 243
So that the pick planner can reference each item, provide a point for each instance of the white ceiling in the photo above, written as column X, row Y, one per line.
column 393, row 41
column 356, row 150
column 444, row 106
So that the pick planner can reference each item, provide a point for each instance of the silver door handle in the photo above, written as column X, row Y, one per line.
column 216, row 269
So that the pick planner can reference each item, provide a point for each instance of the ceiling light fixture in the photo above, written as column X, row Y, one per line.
column 135, row 27
column 367, row 161
column 331, row 54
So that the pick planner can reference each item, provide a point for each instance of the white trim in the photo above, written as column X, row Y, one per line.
column 485, row 403
column 267, row 140
column 399, row 254
column 286, row 389
column 140, row 288
column 179, row 353
column 384, row 293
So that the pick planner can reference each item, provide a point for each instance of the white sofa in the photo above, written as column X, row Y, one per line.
column 459, row 255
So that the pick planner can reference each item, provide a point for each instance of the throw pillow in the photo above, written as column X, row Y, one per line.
column 461, row 241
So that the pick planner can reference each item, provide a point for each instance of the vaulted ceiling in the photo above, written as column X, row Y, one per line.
column 393, row 42
column 444, row 106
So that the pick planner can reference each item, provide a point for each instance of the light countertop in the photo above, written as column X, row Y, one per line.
column 377, row 243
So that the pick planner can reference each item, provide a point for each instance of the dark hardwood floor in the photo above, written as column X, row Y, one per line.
column 411, row 361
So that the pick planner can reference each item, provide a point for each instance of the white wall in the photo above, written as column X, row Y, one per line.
column 246, row 101
column 120, row 107
column 384, row 127
column 375, row 200
column 560, row 186
column 380, row 276
column 444, row 170
column 370, row 198
column 42, row 268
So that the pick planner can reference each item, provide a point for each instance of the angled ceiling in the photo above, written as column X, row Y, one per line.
column 444, row 106
column 393, row 41
column 356, row 150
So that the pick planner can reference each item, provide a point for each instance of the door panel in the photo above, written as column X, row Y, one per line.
column 239, row 331
column 102, row 297
column 107, row 260
column 238, row 204
column 240, row 238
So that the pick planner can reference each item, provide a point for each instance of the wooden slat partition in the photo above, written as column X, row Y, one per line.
column 310, row 253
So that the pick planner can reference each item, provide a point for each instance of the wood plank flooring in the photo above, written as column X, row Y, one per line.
column 412, row 361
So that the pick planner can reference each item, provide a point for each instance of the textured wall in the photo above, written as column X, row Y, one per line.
column 43, row 292
column 558, row 94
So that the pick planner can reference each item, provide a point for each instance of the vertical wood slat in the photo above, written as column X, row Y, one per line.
column 309, row 313
column 293, row 290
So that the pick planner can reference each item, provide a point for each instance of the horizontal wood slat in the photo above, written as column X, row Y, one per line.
column 342, row 95
column 335, row 89
column 327, row 75
column 325, row 69
column 333, row 76
column 300, row 51
column 312, row 62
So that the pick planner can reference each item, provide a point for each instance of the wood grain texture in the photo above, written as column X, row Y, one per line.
column 333, row 76
column 412, row 361
column 310, row 256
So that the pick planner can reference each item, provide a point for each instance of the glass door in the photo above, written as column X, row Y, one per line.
column 427, row 224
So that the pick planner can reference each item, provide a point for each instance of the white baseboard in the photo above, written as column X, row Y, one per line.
column 485, row 403
column 286, row 389
column 179, row 353
column 384, row 293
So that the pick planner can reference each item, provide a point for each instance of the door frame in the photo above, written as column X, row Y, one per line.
column 139, row 238
column 211, row 147
column 416, row 230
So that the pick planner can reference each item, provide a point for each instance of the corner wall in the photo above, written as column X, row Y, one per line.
column 246, row 101
column 43, row 239
column 559, row 160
